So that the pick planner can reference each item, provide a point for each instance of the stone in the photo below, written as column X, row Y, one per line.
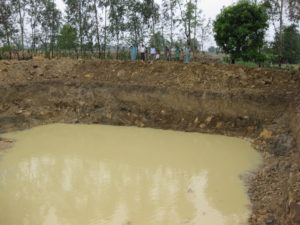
column 196, row 120
column 266, row 134
column 209, row 119
column 219, row 125
column 251, row 129
column 121, row 73
column 89, row 75
column 202, row 125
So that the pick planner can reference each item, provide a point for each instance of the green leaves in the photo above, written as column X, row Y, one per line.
column 67, row 38
column 239, row 30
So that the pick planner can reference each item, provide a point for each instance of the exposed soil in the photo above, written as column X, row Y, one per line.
column 258, row 104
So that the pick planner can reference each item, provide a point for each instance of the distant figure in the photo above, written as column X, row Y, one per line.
column 143, row 52
column 157, row 57
column 167, row 53
column 152, row 53
column 133, row 52
column 177, row 54
column 187, row 57
column 181, row 55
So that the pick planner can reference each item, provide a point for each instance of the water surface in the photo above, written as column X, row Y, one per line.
column 105, row 175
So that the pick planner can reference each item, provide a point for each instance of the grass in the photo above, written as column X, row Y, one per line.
column 246, row 63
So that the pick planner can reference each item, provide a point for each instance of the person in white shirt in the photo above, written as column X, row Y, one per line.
column 152, row 53
column 143, row 52
column 157, row 57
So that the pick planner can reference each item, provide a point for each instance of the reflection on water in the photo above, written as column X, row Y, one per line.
column 104, row 175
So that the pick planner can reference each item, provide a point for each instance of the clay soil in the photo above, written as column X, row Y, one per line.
column 258, row 104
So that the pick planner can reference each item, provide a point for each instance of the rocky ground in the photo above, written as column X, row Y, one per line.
column 258, row 104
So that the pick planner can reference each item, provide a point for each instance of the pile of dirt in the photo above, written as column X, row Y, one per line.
column 255, row 103
column 194, row 76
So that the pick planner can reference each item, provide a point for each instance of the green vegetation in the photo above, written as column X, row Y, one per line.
column 107, row 28
column 290, row 45
column 67, row 38
column 240, row 29
column 92, row 28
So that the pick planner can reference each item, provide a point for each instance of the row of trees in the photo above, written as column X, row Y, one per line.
column 92, row 26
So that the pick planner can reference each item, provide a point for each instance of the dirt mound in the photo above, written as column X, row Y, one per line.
column 194, row 76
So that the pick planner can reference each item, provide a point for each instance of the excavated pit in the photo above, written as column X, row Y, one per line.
column 258, row 104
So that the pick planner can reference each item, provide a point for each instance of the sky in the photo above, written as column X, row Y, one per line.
column 210, row 9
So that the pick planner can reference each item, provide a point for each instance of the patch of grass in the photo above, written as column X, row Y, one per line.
column 246, row 63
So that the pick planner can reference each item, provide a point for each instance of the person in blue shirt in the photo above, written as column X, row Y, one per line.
column 177, row 54
column 187, row 52
column 133, row 52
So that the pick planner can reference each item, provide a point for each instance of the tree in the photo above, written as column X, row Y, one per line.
column 79, row 13
column 157, row 40
column 291, row 44
column 188, row 18
column 276, row 10
column 134, row 23
column 116, row 16
column 212, row 49
column 205, row 32
column 67, row 38
column 6, row 24
column 19, row 8
column 239, row 30
column 294, row 10
column 95, row 5
column 150, row 14
column 34, row 13
column 169, row 7
column 49, row 19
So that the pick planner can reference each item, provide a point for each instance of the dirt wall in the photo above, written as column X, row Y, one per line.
column 235, row 112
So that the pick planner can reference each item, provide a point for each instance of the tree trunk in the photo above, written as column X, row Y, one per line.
column 189, row 29
column 172, row 11
column 97, row 29
column 8, row 43
column 153, row 20
column 105, row 33
column 21, row 26
column 80, row 27
column 281, row 33
column 195, row 28
column 52, row 33
column 117, row 56
column 232, row 60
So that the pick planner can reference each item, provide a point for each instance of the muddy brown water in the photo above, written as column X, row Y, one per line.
column 94, row 174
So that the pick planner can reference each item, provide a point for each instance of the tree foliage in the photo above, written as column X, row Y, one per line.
column 67, row 38
column 239, row 30
column 291, row 44
column 94, row 28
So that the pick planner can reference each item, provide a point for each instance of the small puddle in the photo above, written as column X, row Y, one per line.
column 105, row 175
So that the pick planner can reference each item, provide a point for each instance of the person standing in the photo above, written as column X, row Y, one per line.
column 167, row 53
column 157, row 57
column 143, row 52
column 177, row 54
column 152, row 53
column 187, row 56
column 133, row 52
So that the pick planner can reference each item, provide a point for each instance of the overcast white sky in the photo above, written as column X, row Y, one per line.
column 210, row 9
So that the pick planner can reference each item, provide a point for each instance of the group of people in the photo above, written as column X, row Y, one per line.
column 153, row 53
